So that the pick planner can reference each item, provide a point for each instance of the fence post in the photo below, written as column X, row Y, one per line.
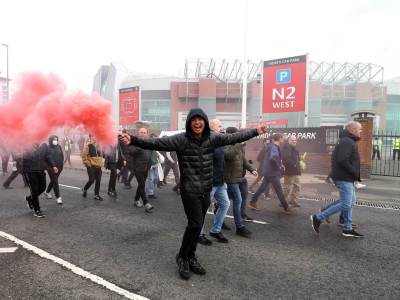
column 365, row 144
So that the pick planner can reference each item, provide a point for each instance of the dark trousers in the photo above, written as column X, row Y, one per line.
column 141, row 177
column 244, row 189
column 12, row 176
column 195, row 207
column 175, row 170
column 376, row 152
column 37, row 185
column 67, row 157
column 4, row 162
column 113, row 177
column 398, row 154
column 53, row 182
column 276, row 184
column 94, row 175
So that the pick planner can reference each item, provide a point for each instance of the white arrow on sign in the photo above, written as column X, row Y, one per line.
column 8, row 250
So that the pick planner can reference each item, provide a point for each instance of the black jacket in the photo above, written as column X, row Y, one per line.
column 218, row 166
column 346, row 159
column 55, row 156
column 141, row 159
column 114, row 156
column 34, row 159
column 195, row 155
column 291, row 160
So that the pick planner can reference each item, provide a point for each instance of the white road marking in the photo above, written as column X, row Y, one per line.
column 70, row 186
column 79, row 271
column 8, row 250
column 254, row 221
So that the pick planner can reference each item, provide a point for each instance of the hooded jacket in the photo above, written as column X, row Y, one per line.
column 235, row 164
column 346, row 159
column 195, row 155
column 91, row 156
column 55, row 156
column 272, row 164
column 34, row 159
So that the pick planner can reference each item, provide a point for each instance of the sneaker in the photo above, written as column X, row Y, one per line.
column 183, row 267
column 152, row 196
column 204, row 241
column 246, row 218
column 84, row 193
column 253, row 206
column 219, row 236
column 290, row 210
column 195, row 266
column 47, row 195
column 138, row 203
column 29, row 203
column 359, row 185
column 148, row 207
column 59, row 201
column 112, row 194
column 352, row 233
column 315, row 223
column 38, row 214
column 98, row 198
column 225, row 227
column 244, row 232
column 354, row 226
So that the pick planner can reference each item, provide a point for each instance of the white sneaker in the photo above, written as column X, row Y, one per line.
column 59, row 200
column 148, row 207
column 138, row 203
column 47, row 195
column 359, row 185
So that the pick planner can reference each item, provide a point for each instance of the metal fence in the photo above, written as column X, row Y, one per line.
column 386, row 154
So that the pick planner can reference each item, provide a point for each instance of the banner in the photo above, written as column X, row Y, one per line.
column 284, row 84
column 129, row 106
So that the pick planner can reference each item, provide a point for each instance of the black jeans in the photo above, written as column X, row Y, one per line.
column 141, row 177
column 113, row 177
column 195, row 207
column 37, row 185
column 398, row 154
column 4, row 162
column 276, row 184
column 53, row 182
column 94, row 175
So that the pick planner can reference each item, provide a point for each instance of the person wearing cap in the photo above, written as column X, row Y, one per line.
column 195, row 151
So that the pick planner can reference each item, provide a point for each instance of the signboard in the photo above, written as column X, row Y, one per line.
column 276, row 122
column 129, row 106
column 284, row 84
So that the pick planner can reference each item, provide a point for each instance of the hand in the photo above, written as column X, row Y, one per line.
column 125, row 139
column 124, row 163
column 261, row 129
column 55, row 169
column 255, row 173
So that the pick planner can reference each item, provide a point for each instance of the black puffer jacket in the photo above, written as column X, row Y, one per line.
column 34, row 159
column 55, row 156
column 141, row 159
column 195, row 155
column 346, row 159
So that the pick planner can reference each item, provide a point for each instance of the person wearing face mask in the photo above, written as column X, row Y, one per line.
column 93, row 161
column 55, row 160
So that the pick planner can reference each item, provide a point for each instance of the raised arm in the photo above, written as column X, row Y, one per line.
column 167, row 143
column 219, row 139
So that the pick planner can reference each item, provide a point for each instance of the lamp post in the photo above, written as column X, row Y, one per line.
column 8, row 79
column 246, row 67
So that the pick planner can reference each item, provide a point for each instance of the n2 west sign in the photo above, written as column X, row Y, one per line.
column 129, row 106
column 284, row 84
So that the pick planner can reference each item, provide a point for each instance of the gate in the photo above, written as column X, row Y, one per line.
column 386, row 154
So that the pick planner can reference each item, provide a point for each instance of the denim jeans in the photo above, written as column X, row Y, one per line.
column 151, row 181
column 345, row 203
column 236, row 196
column 244, row 189
column 220, row 193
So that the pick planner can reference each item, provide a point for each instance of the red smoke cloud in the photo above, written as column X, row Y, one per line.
column 41, row 103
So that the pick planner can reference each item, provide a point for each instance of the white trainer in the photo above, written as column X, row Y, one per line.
column 59, row 201
column 139, row 203
column 47, row 195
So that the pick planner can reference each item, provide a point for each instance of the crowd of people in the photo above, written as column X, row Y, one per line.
column 208, row 163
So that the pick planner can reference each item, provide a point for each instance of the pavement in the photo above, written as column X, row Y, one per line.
column 135, row 250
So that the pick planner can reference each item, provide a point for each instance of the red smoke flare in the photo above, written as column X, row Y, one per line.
column 41, row 104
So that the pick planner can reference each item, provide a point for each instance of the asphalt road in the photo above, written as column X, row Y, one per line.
column 122, row 244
